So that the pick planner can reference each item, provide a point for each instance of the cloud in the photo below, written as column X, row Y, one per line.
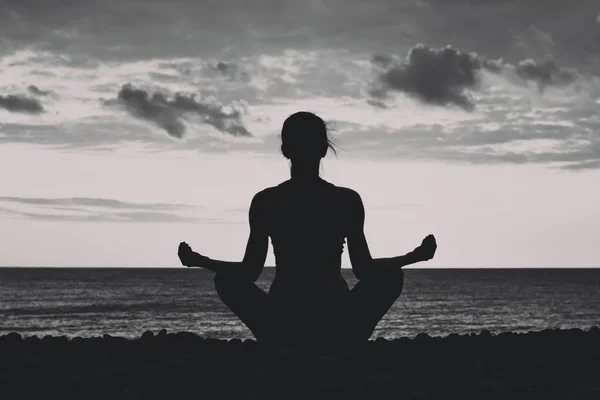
column 37, row 91
column 534, row 40
column 197, row 68
column 97, row 209
column 546, row 73
column 156, row 109
column 598, row 19
column 167, row 113
column 444, row 76
column 229, row 70
column 433, row 76
column 511, row 125
column 96, row 202
column 21, row 104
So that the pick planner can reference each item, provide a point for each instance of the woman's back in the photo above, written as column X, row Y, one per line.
column 307, row 223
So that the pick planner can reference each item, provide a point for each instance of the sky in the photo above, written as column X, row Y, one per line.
column 127, row 127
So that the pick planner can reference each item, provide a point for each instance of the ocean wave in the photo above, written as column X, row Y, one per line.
column 105, row 308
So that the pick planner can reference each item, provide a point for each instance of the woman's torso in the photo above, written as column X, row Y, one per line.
column 307, row 225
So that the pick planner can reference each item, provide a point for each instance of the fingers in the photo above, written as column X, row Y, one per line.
column 430, row 238
column 184, row 248
column 183, row 252
column 430, row 246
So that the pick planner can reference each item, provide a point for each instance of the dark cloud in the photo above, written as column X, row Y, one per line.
column 167, row 113
column 434, row 76
column 177, row 27
column 134, row 216
column 554, row 132
column 37, row 91
column 546, row 73
column 182, row 27
column 153, row 108
column 229, row 70
column 382, row 60
column 95, row 202
column 21, row 104
column 212, row 69
column 444, row 76
column 595, row 164
column 100, row 210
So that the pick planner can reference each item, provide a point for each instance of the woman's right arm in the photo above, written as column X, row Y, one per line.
column 360, row 256
column 358, row 249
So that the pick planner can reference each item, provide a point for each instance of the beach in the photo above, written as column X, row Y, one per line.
column 548, row 364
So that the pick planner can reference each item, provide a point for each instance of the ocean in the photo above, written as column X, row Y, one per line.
column 128, row 301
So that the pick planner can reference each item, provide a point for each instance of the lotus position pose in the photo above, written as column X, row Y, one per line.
column 308, row 220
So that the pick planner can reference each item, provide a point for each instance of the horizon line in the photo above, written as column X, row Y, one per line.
column 273, row 267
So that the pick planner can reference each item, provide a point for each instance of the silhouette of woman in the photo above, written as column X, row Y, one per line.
column 308, row 220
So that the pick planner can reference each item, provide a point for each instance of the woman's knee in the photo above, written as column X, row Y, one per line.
column 224, row 283
column 227, row 284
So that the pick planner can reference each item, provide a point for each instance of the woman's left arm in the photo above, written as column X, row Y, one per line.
column 256, row 249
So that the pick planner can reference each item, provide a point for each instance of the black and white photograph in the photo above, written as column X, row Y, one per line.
column 298, row 199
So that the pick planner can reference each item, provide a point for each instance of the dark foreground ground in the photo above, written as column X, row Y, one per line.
column 552, row 364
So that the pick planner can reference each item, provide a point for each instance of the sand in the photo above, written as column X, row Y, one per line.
column 551, row 364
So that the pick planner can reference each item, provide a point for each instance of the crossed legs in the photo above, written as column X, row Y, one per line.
column 361, row 309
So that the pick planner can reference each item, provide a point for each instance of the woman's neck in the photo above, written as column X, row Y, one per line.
column 305, row 172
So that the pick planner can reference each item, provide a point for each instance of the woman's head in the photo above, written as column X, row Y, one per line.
column 304, row 137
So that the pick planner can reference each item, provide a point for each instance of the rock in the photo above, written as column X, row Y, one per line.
column 507, row 366
column 96, row 341
column 453, row 337
column 62, row 340
column 11, row 337
column 188, row 336
column 32, row 339
column 507, row 335
column 380, row 378
column 485, row 333
column 576, row 331
column 148, row 335
column 162, row 333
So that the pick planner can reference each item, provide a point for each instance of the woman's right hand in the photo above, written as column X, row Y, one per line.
column 427, row 249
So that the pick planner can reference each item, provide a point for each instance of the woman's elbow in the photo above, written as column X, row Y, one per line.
column 359, row 272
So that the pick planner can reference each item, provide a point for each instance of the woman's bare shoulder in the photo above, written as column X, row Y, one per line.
column 348, row 196
column 268, row 195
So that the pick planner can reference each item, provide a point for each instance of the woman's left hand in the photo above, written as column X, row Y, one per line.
column 186, row 255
